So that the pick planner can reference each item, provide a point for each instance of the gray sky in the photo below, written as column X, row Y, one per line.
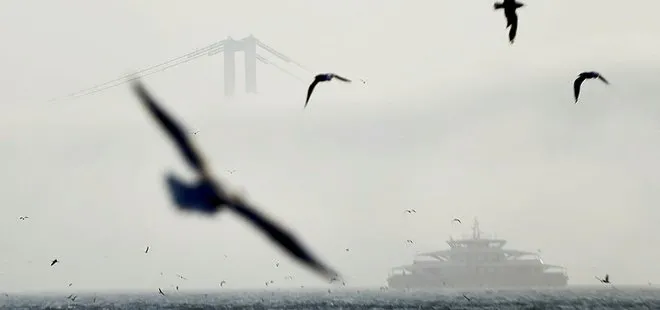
column 454, row 122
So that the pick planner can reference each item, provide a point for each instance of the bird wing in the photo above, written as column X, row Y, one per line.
column 341, row 78
column 281, row 237
column 600, row 77
column 513, row 20
column 173, row 129
column 310, row 90
column 576, row 87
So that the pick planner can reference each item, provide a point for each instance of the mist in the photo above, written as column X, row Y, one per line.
column 453, row 121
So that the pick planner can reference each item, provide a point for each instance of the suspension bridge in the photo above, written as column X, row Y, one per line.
column 229, row 47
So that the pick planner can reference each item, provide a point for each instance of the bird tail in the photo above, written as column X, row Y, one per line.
column 498, row 5
column 190, row 197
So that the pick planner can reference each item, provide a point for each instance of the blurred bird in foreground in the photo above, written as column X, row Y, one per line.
column 208, row 196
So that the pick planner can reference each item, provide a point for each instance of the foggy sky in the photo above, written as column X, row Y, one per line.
column 453, row 122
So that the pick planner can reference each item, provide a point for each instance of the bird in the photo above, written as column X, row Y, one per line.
column 55, row 261
column 231, row 171
column 411, row 211
column 323, row 77
column 147, row 250
column 161, row 292
column 23, row 218
column 606, row 280
column 222, row 283
column 583, row 76
column 181, row 277
column 194, row 132
column 510, row 7
column 457, row 220
column 208, row 196
column 409, row 241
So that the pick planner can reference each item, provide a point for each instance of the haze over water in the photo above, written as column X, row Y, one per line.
column 453, row 121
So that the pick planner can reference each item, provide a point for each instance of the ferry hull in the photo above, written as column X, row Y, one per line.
column 415, row 281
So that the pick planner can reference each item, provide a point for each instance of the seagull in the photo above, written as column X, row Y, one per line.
column 457, row 220
column 55, row 261
column 161, row 292
column 324, row 77
column 510, row 7
column 209, row 196
column 411, row 211
column 181, row 277
column 23, row 218
column 409, row 241
column 222, row 283
column 194, row 132
column 147, row 250
column 606, row 280
column 583, row 76
column 231, row 171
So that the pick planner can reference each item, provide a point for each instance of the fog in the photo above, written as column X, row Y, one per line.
column 453, row 121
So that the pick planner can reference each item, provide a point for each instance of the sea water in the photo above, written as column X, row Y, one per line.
column 571, row 298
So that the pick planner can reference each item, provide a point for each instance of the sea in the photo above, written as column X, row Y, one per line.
column 579, row 298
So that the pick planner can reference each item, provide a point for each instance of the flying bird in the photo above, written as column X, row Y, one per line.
column 411, row 211
column 23, row 218
column 181, row 277
column 208, row 196
column 324, row 77
column 223, row 282
column 55, row 261
column 161, row 292
column 583, row 76
column 457, row 220
column 147, row 250
column 510, row 7
column 606, row 280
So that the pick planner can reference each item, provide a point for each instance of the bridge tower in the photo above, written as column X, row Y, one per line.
column 250, row 51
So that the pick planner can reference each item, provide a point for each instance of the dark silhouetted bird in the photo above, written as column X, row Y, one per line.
column 161, row 292
column 207, row 195
column 147, row 250
column 510, row 7
column 325, row 77
column 55, row 261
column 583, row 76
column 457, row 220
column 606, row 280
